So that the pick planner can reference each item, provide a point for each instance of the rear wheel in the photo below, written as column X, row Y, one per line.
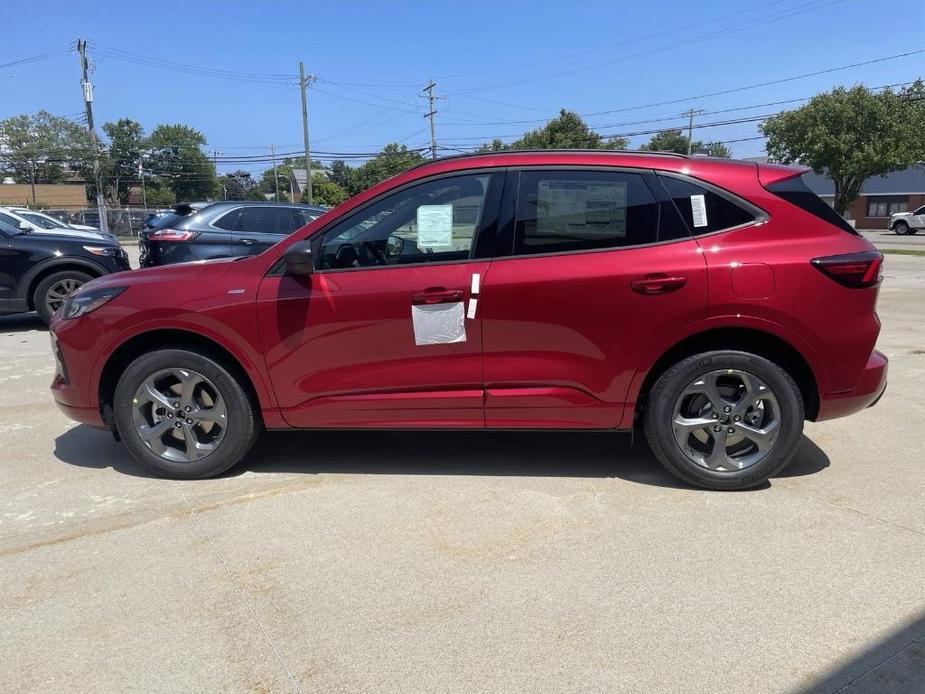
column 51, row 292
column 183, row 415
column 724, row 419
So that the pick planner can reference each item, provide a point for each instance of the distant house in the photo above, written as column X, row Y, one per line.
column 880, row 197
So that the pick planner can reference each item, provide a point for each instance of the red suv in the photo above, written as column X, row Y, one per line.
column 718, row 303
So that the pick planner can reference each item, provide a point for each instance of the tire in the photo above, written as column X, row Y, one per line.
column 51, row 291
column 902, row 228
column 224, row 430
column 764, row 397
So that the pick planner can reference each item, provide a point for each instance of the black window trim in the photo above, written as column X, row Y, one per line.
column 487, row 225
column 760, row 215
column 511, row 192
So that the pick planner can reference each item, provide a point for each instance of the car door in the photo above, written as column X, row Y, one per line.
column 387, row 330
column 597, row 267
column 263, row 226
column 918, row 220
column 16, row 257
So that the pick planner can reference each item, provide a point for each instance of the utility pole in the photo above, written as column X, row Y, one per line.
column 215, row 154
column 303, row 85
column 275, row 172
column 141, row 177
column 690, row 127
column 431, row 98
column 88, row 105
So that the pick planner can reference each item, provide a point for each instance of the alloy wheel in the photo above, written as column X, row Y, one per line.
column 59, row 291
column 179, row 414
column 726, row 420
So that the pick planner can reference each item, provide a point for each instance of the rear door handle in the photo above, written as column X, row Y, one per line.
column 246, row 242
column 437, row 295
column 658, row 283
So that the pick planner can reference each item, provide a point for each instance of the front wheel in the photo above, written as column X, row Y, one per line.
column 724, row 419
column 902, row 228
column 54, row 289
column 183, row 415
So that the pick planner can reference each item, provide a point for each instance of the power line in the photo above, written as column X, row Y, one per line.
column 26, row 61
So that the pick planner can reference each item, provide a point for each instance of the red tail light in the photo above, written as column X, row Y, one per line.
column 172, row 235
column 856, row 270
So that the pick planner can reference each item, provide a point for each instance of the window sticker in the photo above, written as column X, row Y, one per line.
column 439, row 324
column 590, row 210
column 435, row 227
column 699, row 210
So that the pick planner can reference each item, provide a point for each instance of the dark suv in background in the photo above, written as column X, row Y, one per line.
column 39, row 271
column 221, row 230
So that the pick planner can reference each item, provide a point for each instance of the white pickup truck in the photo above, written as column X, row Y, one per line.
column 908, row 222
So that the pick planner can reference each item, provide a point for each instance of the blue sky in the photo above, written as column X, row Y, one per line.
column 503, row 66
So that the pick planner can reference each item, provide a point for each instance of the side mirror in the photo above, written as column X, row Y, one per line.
column 25, row 227
column 298, row 259
column 394, row 246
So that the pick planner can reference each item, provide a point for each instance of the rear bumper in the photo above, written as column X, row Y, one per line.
column 866, row 393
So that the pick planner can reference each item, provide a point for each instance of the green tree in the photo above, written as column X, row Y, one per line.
column 670, row 141
column 565, row 131
column 344, row 175
column 718, row 149
column 392, row 160
column 177, row 157
column 121, row 160
column 325, row 191
column 851, row 135
column 237, row 185
column 159, row 197
column 43, row 148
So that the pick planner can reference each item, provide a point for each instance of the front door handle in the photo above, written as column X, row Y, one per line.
column 658, row 283
column 437, row 295
column 246, row 242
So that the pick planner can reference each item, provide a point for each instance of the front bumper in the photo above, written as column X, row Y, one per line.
column 866, row 393
column 71, row 400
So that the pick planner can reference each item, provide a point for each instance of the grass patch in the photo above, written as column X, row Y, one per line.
column 902, row 251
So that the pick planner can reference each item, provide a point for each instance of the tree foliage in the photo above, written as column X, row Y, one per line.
column 669, row 141
column 120, row 161
column 566, row 131
column 177, row 156
column 237, row 185
column 325, row 191
column 43, row 148
column 391, row 161
column 851, row 135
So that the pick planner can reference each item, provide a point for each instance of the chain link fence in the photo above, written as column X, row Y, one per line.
column 123, row 221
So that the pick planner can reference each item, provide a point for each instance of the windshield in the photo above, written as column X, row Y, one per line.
column 41, row 220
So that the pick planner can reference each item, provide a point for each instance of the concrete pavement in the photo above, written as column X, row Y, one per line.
column 342, row 562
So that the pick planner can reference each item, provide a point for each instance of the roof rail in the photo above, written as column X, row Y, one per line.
column 634, row 152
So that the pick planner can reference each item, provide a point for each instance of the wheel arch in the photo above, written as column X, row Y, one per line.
column 762, row 343
column 157, row 339
column 38, row 273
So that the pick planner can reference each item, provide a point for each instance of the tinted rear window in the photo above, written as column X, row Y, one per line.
column 165, row 220
column 703, row 210
column 796, row 192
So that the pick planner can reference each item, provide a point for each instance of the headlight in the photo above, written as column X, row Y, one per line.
column 112, row 251
column 83, row 302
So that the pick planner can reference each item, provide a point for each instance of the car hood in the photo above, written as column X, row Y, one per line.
column 73, row 234
column 203, row 271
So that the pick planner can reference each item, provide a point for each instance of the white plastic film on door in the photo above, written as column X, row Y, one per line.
column 439, row 324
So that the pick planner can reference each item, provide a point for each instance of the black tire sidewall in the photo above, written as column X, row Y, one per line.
column 901, row 228
column 41, row 289
column 241, row 429
column 660, row 411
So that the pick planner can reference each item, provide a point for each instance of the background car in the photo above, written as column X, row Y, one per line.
column 44, row 224
column 908, row 222
column 39, row 271
column 221, row 230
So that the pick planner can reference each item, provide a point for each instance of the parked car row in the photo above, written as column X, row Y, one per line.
column 43, row 260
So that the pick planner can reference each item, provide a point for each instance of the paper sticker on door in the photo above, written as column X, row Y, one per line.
column 439, row 324
column 699, row 210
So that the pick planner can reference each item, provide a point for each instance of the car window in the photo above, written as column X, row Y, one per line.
column 307, row 216
column 563, row 211
column 38, row 220
column 921, row 210
column 10, row 221
column 703, row 210
column 435, row 221
column 231, row 221
column 7, row 229
column 267, row 220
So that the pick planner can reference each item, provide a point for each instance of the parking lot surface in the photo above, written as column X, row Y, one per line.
column 459, row 562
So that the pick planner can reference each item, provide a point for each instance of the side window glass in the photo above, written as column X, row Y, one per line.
column 230, row 221
column 561, row 211
column 267, row 220
column 435, row 221
column 703, row 210
column 305, row 216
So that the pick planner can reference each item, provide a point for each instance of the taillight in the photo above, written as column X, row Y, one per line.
column 172, row 235
column 856, row 270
